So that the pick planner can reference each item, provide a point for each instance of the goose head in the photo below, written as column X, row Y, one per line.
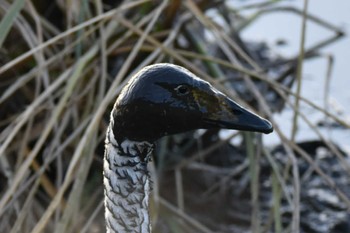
column 165, row 99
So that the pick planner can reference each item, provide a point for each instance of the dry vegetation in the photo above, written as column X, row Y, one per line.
column 62, row 64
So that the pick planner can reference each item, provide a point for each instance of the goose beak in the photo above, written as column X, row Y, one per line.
column 230, row 115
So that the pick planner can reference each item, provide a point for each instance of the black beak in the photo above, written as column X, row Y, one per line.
column 231, row 115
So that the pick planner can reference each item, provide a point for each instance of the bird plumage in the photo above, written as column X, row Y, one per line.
column 159, row 100
column 127, row 186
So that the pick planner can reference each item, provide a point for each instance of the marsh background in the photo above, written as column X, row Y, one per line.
column 63, row 63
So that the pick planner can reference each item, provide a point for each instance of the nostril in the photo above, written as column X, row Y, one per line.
column 236, row 111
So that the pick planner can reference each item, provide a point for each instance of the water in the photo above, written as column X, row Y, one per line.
column 287, row 26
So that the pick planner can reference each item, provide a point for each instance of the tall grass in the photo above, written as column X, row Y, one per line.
column 63, row 63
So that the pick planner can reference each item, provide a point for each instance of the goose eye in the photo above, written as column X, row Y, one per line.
column 182, row 90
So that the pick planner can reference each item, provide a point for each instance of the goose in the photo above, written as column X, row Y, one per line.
column 161, row 99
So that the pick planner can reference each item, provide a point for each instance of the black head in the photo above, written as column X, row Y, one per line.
column 165, row 99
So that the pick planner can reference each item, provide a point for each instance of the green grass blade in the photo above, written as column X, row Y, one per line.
column 7, row 21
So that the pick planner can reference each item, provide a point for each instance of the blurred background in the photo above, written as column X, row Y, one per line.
column 63, row 64
column 278, row 26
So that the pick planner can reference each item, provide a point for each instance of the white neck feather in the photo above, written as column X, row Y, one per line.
column 127, row 185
